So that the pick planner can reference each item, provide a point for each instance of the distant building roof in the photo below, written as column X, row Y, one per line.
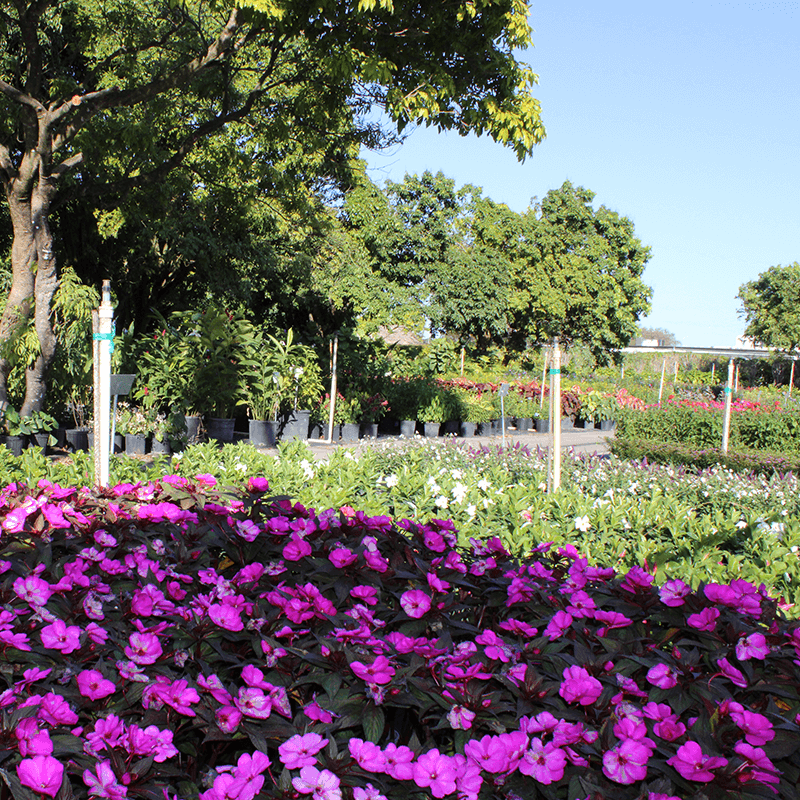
column 399, row 335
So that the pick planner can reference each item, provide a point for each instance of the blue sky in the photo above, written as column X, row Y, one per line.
column 684, row 117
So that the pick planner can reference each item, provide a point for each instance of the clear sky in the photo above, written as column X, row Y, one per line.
column 682, row 116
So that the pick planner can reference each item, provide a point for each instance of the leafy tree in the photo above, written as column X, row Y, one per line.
column 771, row 307
column 100, row 100
column 582, row 277
column 667, row 338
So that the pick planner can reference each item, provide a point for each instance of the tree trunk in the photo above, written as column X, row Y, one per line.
column 34, row 282
column 19, row 305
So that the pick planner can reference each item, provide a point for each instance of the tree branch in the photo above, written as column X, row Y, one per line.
column 23, row 98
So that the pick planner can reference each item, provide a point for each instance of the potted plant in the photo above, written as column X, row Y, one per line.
column 16, row 431
column 134, row 425
column 372, row 408
column 40, row 426
column 606, row 412
column 477, row 410
column 433, row 413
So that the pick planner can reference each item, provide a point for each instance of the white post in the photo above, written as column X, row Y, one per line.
column 555, row 414
column 104, row 343
column 544, row 373
column 726, row 421
column 713, row 370
column 661, row 385
column 791, row 377
column 736, row 380
column 329, row 440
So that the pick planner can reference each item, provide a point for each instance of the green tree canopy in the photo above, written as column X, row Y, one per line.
column 771, row 307
column 100, row 100
column 582, row 280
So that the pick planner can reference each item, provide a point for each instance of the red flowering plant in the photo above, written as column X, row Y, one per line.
column 173, row 640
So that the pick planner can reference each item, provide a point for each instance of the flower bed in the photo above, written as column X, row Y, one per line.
column 174, row 640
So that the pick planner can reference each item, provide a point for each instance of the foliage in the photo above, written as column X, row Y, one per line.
column 769, row 306
column 582, row 278
column 754, row 425
column 747, row 461
column 133, row 420
column 352, row 652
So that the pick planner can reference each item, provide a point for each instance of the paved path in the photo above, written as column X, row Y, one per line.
column 579, row 439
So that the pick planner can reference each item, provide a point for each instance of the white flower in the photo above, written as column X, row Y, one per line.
column 484, row 485
column 456, row 474
column 582, row 524
column 459, row 492
column 308, row 470
column 392, row 480
column 441, row 502
column 471, row 510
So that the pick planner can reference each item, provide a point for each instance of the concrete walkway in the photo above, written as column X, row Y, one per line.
column 583, row 440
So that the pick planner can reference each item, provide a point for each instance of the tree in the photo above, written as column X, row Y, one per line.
column 582, row 277
column 662, row 335
column 98, row 100
column 771, row 307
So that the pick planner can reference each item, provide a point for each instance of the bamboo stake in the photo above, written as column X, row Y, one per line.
column 726, row 420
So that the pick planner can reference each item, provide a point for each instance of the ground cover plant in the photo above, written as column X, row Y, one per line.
column 698, row 526
column 176, row 640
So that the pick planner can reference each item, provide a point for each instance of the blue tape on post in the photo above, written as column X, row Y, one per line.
column 728, row 390
column 105, row 337
column 555, row 371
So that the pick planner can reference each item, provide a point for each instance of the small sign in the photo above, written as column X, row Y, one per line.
column 504, row 387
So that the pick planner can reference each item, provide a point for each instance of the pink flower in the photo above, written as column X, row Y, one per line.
column 252, row 702
column 415, row 603
column 143, row 648
column 673, row 592
column 59, row 636
column 32, row 590
column 489, row 753
column 690, row 762
column 662, row 676
column 544, row 763
column 300, row 751
column 315, row 712
column 341, row 557
column 369, row 792
column 752, row 646
column 379, row 671
column 706, row 620
column 367, row 755
column 626, row 763
column 761, row 769
column 399, row 762
column 460, row 718
column 437, row 772
column 324, row 785
column 92, row 684
column 730, row 672
column 756, row 727
column 557, row 626
column 43, row 774
column 578, row 686
column 103, row 782
column 226, row 616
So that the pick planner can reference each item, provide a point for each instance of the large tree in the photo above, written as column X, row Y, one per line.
column 582, row 280
column 771, row 307
column 99, row 99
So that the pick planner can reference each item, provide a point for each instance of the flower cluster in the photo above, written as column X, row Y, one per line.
column 173, row 639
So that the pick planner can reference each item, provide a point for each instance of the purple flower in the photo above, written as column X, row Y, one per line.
column 557, row 626
column 706, row 620
column 60, row 636
column 300, row 751
column 544, row 763
column 752, row 646
column 380, row 671
column 730, row 672
column 626, row 763
column 399, row 762
column 760, row 768
column 756, row 727
column 437, row 772
column 143, row 648
column 103, row 782
column 662, row 675
column 324, row 785
column 490, row 753
column 43, row 774
column 693, row 765
column 579, row 686
column 93, row 684
column 672, row 593
column 460, row 718
column 415, row 603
